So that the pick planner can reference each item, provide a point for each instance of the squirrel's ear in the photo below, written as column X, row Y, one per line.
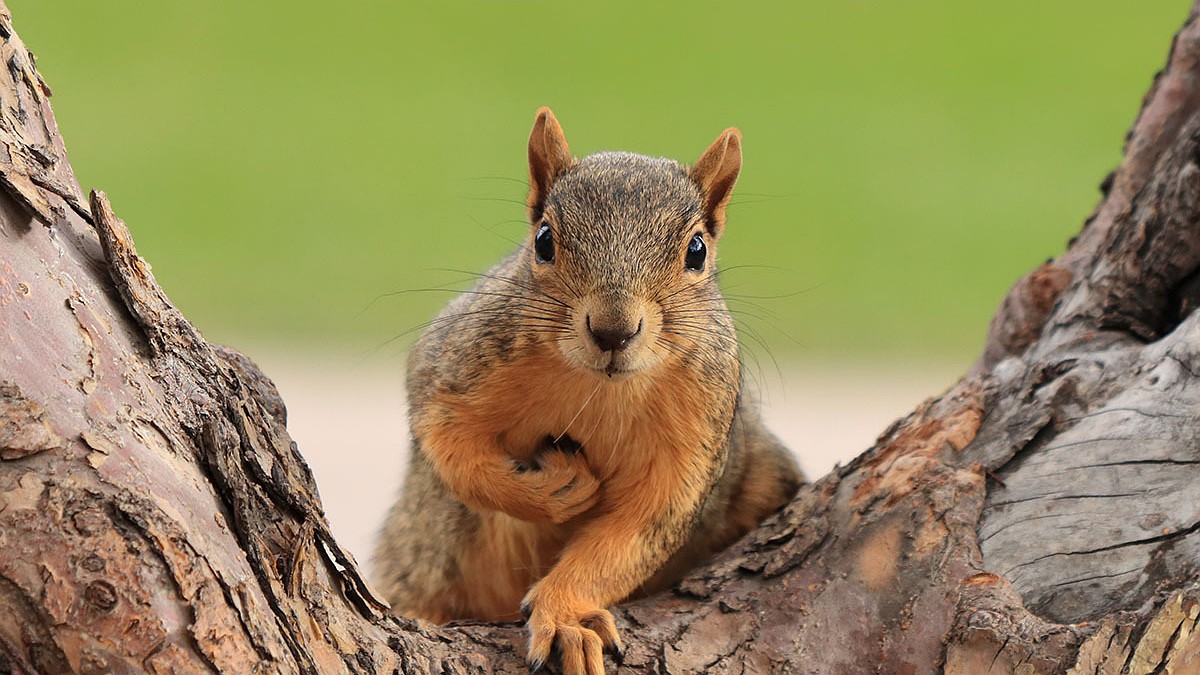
column 715, row 172
column 548, row 158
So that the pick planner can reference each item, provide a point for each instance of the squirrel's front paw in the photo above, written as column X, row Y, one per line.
column 580, row 632
column 560, row 487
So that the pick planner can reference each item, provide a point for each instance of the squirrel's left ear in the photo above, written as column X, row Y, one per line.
column 715, row 172
column 549, row 156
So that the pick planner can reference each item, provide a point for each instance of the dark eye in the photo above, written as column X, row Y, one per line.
column 696, row 252
column 543, row 244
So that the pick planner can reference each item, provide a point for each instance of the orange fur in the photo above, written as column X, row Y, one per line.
column 643, row 454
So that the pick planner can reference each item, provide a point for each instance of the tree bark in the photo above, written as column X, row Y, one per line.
column 1038, row 517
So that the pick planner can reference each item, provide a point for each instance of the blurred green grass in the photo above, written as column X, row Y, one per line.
column 283, row 164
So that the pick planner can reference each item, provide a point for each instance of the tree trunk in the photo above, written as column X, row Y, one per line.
column 1039, row 517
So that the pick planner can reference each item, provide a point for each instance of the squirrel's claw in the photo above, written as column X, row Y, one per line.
column 562, row 486
column 601, row 622
column 564, row 443
column 580, row 647
column 541, row 639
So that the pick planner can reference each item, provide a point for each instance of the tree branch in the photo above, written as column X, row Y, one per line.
column 155, row 515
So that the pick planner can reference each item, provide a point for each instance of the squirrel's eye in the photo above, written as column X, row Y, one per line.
column 695, row 253
column 543, row 244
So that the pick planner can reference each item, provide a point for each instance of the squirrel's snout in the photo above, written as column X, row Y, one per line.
column 612, row 338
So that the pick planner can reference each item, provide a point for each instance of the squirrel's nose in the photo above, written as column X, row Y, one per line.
column 612, row 339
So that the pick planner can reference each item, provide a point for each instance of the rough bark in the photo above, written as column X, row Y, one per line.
column 1038, row 517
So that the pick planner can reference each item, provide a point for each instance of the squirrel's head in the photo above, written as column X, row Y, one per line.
column 622, row 248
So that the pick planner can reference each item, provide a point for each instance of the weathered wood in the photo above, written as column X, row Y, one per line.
column 1096, row 438
column 1038, row 517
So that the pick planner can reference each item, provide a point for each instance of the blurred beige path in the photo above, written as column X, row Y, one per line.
column 347, row 415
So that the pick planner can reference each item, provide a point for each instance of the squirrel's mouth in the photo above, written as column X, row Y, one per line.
column 615, row 372
column 618, row 368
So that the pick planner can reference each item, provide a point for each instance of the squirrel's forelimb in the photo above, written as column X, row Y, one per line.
column 610, row 556
column 553, row 487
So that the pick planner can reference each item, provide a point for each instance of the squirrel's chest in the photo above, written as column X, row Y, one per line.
column 620, row 425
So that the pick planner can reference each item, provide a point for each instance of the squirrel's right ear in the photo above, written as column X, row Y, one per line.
column 548, row 158
column 715, row 172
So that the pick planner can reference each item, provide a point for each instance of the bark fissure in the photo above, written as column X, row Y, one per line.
column 134, row 520
column 1138, row 411
column 1138, row 462
column 1101, row 496
column 1098, row 576
column 1111, row 547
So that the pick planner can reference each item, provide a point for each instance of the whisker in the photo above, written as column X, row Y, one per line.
column 510, row 296
column 507, row 200
column 700, row 330
column 672, row 345
column 620, row 430
column 492, row 230
column 510, row 179
column 581, row 409
column 392, row 294
column 690, row 286
column 753, row 335
column 509, row 281
column 782, row 296
column 747, row 266
column 535, row 321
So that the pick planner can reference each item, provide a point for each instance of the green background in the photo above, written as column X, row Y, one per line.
column 283, row 164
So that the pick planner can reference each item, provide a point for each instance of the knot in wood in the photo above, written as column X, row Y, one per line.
column 101, row 596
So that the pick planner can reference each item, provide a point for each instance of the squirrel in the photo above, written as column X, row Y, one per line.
column 579, row 433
